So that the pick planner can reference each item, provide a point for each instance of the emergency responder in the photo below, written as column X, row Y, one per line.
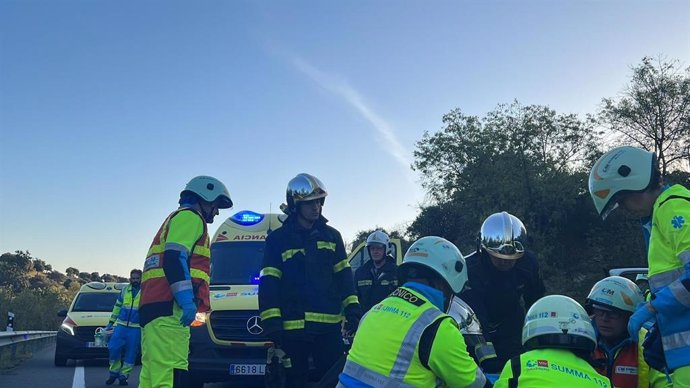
column 610, row 304
column 175, row 282
column 407, row 340
column 642, row 282
column 629, row 178
column 376, row 279
column 306, row 285
column 501, row 273
column 125, row 341
column 558, row 338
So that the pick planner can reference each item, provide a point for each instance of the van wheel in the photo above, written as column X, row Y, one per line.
column 60, row 360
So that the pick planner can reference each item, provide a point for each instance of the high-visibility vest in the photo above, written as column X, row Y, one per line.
column 385, row 351
column 126, row 310
column 156, row 296
column 548, row 368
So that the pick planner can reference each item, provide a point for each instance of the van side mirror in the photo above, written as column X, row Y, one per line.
column 62, row 313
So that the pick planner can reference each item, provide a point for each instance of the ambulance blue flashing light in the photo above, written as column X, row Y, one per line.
column 247, row 218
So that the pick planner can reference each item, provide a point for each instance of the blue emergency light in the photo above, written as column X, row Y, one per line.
column 247, row 217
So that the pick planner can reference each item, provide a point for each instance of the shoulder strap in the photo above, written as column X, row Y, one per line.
column 516, row 368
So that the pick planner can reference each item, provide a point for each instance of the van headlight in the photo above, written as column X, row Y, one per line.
column 68, row 326
column 67, row 329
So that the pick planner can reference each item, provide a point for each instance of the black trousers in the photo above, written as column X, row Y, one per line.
column 324, row 349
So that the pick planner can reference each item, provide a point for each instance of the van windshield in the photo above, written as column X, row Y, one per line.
column 236, row 262
column 95, row 301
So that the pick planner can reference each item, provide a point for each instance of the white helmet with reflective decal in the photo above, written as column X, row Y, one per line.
column 557, row 321
column 441, row 256
column 615, row 292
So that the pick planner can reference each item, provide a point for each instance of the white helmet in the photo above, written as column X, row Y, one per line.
column 502, row 234
column 557, row 321
column 621, row 170
column 439, row 255
column 614, row 292
column 209, row 189
column 378, row 237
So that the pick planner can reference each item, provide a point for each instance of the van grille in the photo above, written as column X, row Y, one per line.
column 85, row 333
column 235, row 325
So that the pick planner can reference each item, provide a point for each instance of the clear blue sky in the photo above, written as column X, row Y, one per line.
column 108, row 108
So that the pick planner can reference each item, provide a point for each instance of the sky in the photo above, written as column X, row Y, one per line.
column 107, row 108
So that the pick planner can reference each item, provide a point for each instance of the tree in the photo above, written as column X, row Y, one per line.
column 653, row 111
column 109, row 278
column 534, row 163
column 39, row 265
column 95, row 276
column 14, row 270
column 71, row 271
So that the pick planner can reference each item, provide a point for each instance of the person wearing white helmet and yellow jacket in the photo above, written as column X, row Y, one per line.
column 610, row 304
column 407, row 340
column 174, row 284
column 559, row 338
column 629, row 178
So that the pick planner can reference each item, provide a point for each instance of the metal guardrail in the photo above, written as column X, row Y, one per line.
column 16, row 346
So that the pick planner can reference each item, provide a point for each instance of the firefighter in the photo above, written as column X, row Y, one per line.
column 407, row 340
column 306, row 285
column 125, row 341
column 558, row 338
column 610, row 304
column 629, row 178
column 501, row 273
column 174, row 284
column 376, row 279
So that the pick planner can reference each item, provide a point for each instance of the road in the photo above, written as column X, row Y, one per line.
column 39, row 372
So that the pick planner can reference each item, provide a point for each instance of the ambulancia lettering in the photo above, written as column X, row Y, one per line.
column 252, row 237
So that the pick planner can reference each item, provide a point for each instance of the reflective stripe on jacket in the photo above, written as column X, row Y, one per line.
column 156, row 291
column 126, row 310
column 306, row 281
column 669, row 272
column 373, row 285
column 548, row 368
column 386, row 352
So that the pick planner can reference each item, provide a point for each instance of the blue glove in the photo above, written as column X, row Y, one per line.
column 109, row 326
column 188, row 313
column 638, row 319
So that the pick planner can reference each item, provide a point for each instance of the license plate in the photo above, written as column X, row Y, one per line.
column 247, row 369
column 93, row 345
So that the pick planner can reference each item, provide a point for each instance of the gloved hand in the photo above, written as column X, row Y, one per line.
column 109, row 326
column 638, row 319
column 276, row 337
column 351, row 322
column 188, row 313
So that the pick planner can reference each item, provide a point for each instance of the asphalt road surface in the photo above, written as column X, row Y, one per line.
column 39, row 372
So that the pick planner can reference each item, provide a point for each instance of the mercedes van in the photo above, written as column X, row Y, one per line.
column 90, row 309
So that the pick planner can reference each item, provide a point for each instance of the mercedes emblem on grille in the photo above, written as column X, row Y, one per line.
column 253, row 326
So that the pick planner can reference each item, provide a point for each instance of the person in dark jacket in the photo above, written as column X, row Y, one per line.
column 376, row 279
column 306, row 285
column 504, row 281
